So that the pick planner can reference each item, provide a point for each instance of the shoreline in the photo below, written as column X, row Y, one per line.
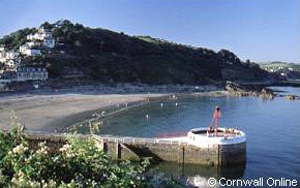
column 46, row 113
column 50, row 112
column 53, row 112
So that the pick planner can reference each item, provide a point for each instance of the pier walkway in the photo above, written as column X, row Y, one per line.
column 176, row 149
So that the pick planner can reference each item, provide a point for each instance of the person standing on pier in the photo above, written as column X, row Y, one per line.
column 216, row 119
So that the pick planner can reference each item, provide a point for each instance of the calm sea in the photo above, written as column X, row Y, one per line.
column 272, row 128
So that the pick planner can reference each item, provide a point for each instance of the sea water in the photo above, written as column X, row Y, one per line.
column 272, row 128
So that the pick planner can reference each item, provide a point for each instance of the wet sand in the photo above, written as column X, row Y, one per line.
column 47, row 112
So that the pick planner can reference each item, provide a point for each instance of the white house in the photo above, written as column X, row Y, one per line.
column 33, row 52
column 12, row 55
column 2, row 48
column 8, row 76
column 12, row 63
column 33, row 44
column 30, row 37
column 41, row 35
column 32, row 73
column 49, row 42
column 23, row 48
column 2, row 56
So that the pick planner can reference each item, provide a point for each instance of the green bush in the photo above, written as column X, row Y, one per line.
column 79, row 163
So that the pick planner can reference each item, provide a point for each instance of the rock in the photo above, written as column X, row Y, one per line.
column 292, row 97
column 264, row 91
column 230, row 86
column 252, row 90
column 267, row 96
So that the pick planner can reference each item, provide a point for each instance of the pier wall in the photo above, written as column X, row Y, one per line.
column 161, row 152
column 232, row 154
column 181, row 152
column 130, row 148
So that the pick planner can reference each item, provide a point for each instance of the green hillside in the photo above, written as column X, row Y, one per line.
column 278, row 64
column 107, row 56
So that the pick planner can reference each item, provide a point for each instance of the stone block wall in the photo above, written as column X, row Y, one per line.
column 232, row 154
column 218, row 155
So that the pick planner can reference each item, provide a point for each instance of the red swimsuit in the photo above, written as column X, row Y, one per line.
column 217, row 114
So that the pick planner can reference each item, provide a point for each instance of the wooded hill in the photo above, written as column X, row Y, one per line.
column 107, row 56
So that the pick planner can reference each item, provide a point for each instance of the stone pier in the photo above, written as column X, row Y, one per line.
column 154, row 149
column 174, row 151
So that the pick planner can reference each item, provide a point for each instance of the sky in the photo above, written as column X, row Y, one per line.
column 259, row 30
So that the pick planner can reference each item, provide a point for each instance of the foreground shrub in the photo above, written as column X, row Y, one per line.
column 79, row 163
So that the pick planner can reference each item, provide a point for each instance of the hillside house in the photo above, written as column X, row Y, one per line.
column 32, row 73
column 12, row 55
column 2, row 57
column 49, row 42
column 33, row 52
column 2, row 48
column 39, row 36
column 27, row 46
column 8, row 76
column 30, row 49
column 12, row 63
column 23, row 48
column 33, row 44
column 10, row 59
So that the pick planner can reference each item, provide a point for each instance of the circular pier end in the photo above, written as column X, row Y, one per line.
column 229, row 143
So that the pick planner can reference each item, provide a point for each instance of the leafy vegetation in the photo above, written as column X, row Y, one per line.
column 78, row 163
column 16, row 39
column 277, row 64
column 108, row 56
column 289, row 70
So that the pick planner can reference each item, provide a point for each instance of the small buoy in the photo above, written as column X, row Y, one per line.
column 161, row 104
column 176, row 104
column 147, row 116
column 174, row 97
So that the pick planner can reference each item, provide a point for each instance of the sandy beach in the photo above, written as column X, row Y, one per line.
column 47, row 112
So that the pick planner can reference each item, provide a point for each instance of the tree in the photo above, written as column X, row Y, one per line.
column 47, row 25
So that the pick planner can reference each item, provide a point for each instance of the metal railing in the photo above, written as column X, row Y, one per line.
column 137, row 140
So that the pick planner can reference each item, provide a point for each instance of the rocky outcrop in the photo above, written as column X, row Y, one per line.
column 233, row 87
column 292, row 97
column 241, row 91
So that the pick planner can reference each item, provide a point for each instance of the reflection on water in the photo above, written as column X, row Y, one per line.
column 197, row 175
column 287, row 90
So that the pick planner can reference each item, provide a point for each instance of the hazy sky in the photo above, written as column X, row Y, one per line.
column 260, row 30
